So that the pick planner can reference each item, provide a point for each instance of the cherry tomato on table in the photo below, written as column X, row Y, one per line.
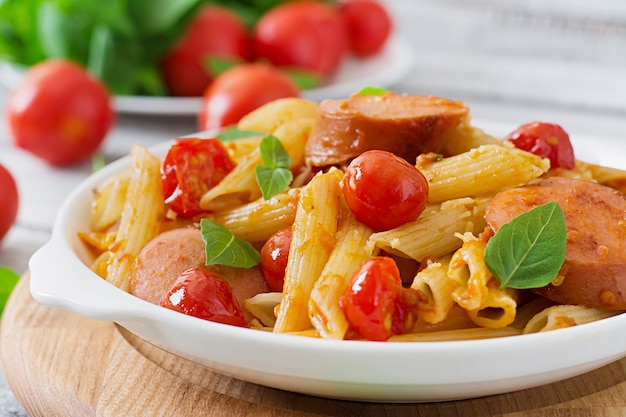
column 60, row 112
column 241, row 89
column 305, row 34
column 376, row 304
column 274, row 257
column 215, row 32
column 383, row 190
column 369, row 25
column 546, row 140
column 10, row 201
column 192, row 167
column 199, row 293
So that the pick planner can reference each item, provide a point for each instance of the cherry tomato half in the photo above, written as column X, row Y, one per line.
column 546, row 140
column 10, row 201
column 274, row 257
column 376, row 304
column 60, row 113
column 191, row 167
column 308, row 35
column 369, row 25
column 383, row 190
column 199, row 293
column 241, row 89
column 215, row 32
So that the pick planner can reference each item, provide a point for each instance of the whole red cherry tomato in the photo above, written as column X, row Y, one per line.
column 383, row 190
column 241, row 89
column 274, row 257
column 308, row 35
column 376, row 304
column 546, row 140
column 10, row 201
column 215, row 32
column 192, row 167
column 60, row 112
column 199, row 293
column 369, row 25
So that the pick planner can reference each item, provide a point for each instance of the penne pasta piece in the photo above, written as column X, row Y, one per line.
column 108, row 202
column 433, row 233
column 270, row 116
column 611, row 177
column 561, row 316
column 240, row 185
column 498, row 308
column 238, row 149
column 466, row 137
column 481, row 170
column 456, row 334
column 434, row 282
column 313, row 240
column 263, row 306
column 324, row 311
column 260, row 219
column 141, row 216
column 468, row 269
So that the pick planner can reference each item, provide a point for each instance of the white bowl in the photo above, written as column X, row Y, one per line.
column 356, row 370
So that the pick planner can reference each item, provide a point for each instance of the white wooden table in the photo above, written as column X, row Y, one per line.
column 561, row 61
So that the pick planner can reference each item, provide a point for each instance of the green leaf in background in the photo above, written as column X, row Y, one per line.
column 304, row 79
column 223, row 248
column 234, row 133
column 8, row 279
column 155, row 16
column 215, row 65
column 529, row 251
column 372, row 91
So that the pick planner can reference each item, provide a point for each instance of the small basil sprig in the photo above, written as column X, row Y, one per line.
column 274, row 175
column 372, row 91
column 223, row 248
column 528, row 252
column 234, row 133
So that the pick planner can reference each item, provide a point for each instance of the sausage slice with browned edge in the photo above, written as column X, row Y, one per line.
column 404, row 125
column 162, row 260
column 595, row 258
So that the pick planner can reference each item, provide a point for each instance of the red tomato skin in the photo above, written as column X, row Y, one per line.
column 191, row 167
column 383, row 190
column 60, row 112
column 274, row 257
column 199, row 293
column 375, row 303
column 304, row 34
column 215, row 32
column 546, row 140
column 241, row 89
column 10, row 201
column 369, row 26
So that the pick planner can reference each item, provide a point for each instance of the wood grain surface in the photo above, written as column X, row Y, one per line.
column 62, row 364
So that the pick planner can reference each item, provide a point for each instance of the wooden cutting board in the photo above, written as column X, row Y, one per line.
column 62, row 364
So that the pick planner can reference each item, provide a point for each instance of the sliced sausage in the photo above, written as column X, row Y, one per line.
column 401, row 124
column 595, row 258
column 162, row 260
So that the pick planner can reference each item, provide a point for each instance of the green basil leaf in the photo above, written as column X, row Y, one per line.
column 234, row 133
column 8, row 279
column 273, row 153
column 223, row 248
column 272, row 181
column 305, row 80
column 528, row 252
column 372, row 91
column 156, row 16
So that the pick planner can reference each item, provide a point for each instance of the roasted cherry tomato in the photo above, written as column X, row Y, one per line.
column 10, row 201
column 60, row 113
column 191, row 167
column 197, row 292
column 376, row 304
column 546, row 140
column 274, row 256
column 215, row 32
column 241, row 89
column 384, row 191
column 369, row 25
column 308, row 35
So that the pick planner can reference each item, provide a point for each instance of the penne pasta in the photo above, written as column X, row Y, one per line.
column 108, row 202
column 349, row 252
column 561, row 316
column 141, row 216
column 313, row 239
column 269, row 117
column 435, row 283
